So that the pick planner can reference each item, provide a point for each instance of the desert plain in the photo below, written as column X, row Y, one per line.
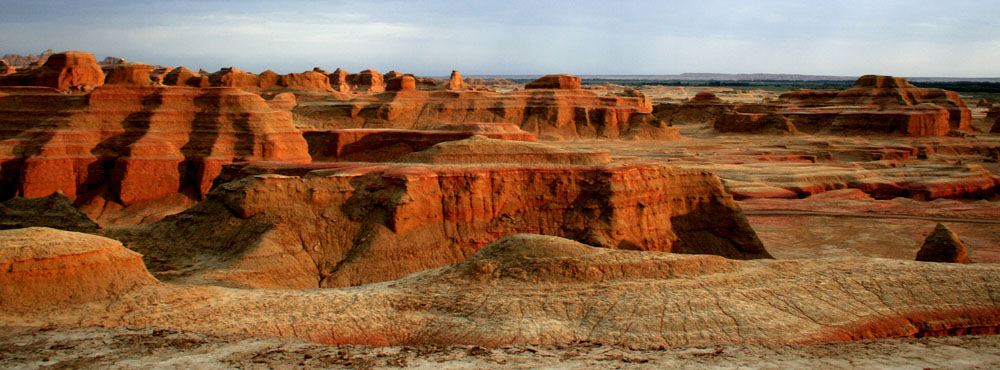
column 158, row 216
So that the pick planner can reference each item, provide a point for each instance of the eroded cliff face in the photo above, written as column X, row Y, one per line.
column 548, row 113
column 355, row 224
column 128, row 144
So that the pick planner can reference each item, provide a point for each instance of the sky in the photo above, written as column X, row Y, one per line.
column 912, row 38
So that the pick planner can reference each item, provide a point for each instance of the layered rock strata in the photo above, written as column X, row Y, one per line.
column 128, row 144
column 355, row 224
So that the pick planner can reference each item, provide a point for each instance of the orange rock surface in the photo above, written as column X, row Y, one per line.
column 128, row 144
column 42, row 268
column 355, row 224
column 71, row 70
column 562, row 81
column 381, row 145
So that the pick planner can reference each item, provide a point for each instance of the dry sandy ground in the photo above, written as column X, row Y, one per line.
column 123, row 348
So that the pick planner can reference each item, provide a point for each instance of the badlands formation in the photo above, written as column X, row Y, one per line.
column 397, row 210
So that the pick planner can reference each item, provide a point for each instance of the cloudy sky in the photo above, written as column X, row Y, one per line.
column 905, row 38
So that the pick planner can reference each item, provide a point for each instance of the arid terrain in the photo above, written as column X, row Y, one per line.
column 162, row 217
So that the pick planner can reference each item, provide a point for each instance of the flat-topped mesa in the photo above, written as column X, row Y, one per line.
column 876, row 104
column 385, row 145
column 128, row 144
column 882, row 82
column 401, row 83
column 66, row 71
column 562, row 81
column 354, row 223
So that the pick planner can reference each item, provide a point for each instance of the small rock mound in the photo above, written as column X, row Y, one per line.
column 943, row 245
column 55, row 211
column 704, row 98
column 563, row 81
column 481, row 149
column 543, row 258
column 882, row 82
column 42, row 267
column 130, row 74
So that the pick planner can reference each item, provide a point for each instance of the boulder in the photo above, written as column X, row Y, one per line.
column 943, row 245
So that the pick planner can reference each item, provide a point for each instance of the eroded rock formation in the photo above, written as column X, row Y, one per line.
column 127, row 144
column 562, row 81
column 358, row 223
column 943, row 245
column 42, row 268
column 67, row 71
column 554, row 112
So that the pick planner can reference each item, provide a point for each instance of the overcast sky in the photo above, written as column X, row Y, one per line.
column 904, row 38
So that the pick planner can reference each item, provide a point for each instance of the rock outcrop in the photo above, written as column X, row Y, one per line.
column 338, row 81
column 54, row 211
column 943, row 245
column 368, row 80
column 562, row 81
column 127, row 144
column 42, row 269
column 66, row 71
column 352, row 224
column 26, row 60
column 401, row 83
column 455, row 81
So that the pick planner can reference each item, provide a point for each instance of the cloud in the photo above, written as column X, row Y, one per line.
column 525, row 37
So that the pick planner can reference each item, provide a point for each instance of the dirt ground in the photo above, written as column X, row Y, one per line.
column 124, row 348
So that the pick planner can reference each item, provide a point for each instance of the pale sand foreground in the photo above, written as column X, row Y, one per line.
column 150, row 348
